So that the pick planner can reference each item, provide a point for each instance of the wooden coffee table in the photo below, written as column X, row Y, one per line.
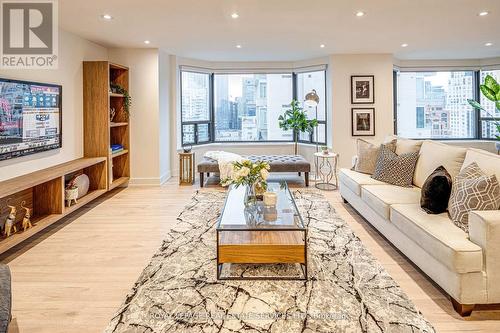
column 261, row 235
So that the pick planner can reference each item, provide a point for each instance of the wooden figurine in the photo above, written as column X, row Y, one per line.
column 11, row 220
column 27, row 217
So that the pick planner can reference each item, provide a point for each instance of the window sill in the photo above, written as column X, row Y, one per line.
column 248, row 144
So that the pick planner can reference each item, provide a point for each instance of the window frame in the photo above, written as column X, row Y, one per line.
column 476, row 96
column 197, row 122
column 295, row 95
column 211, row 120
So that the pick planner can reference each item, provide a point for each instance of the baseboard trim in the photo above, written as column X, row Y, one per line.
column 166, row 176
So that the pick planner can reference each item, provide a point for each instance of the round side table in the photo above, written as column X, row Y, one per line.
column 327, row 170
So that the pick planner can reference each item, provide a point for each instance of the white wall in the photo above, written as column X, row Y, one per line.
column 72, row 51
column 164, row 116
column 144, row 112
column 342, row 67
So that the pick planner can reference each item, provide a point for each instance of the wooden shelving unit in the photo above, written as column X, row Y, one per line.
column 43, row 192
column 99, row 132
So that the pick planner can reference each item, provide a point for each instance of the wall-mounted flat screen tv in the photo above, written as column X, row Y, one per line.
column 30, row 118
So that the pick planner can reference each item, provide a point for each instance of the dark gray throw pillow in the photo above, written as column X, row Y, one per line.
column 394, row 169
column 436, row 192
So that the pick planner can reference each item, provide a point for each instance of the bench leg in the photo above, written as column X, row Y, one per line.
column 299, row 174
column 201, row 179
column 306, row 178
column 208, row 174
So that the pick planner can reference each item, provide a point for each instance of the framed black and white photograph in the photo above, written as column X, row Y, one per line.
column 362, row 89
column 363, row 121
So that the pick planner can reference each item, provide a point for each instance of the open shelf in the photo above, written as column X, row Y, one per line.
column 84, row 200
column 112, row 124
column 116, row 95
column 122, row 152
column 117, row 182
column 43, row 193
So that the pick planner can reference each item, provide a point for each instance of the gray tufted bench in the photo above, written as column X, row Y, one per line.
column 278, row 163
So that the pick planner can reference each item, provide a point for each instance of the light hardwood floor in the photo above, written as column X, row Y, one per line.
column 75, row 276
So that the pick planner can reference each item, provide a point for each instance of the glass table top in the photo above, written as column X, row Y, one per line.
column 236, row 216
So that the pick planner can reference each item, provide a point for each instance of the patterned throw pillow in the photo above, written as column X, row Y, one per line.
column 394, row 169
column 368, row 153
column 472, row 189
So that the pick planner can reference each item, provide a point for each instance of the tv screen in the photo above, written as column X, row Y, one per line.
column 30, row 118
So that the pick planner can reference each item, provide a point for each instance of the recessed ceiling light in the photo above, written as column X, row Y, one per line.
column 404, row 45
column 322, row 46
column 238, row 46
column 235, row 15
column 483, row 13
column 488, row 44
column 107, row 17
column 147, row 42
column 360, row 13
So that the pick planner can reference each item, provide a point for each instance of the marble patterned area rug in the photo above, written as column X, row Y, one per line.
column 347, row 290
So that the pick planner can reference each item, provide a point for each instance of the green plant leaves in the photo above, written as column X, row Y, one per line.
column 475, row 104
column 497, row 104
column 488, row 93
column 492, row 84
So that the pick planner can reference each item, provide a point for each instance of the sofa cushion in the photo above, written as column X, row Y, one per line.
column 381, row 197
column 404, row 146
column 394, row 169
column 367, row 154
column 488, row 162
column 434, row 154
column 436, row 192
column 439, row 237
column 472, row 190
column 354, row 180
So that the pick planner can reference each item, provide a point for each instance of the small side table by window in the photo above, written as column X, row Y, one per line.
column 327, row 170
column 186, row 168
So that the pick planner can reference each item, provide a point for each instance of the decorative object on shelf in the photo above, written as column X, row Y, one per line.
column 186, row 168
column 82, row 182
column 325, row 150
column 71, row 192
column 327, row 170
column 187, row 148
column 270, row 199
column 295, row 119
column 116, row 148
column 251, row 174
column 491, row 90
column 112, row 114
column 362, row 89
column 27, row 217
column 363, row 121
column 127, row 100
column 10, row 221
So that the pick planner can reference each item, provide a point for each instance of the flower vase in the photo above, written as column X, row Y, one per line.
column 250, row 196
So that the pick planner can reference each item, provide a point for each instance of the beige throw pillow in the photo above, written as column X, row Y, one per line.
column 472, row 189
column 368, row 153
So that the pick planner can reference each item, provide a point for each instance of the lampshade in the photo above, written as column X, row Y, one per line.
column 312, row 99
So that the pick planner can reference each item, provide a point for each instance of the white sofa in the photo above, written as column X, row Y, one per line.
column 466, row 266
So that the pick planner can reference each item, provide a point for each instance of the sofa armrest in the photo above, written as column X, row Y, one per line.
column 484, row 230
column 354, row 161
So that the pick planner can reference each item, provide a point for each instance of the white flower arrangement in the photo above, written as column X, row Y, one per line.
column 248, row 173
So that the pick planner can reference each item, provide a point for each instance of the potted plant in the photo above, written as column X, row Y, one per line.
column 295, row 119
column 324, row 149
column 127, row 100
column 491, row 90
column 71, row 191
column 251, row 174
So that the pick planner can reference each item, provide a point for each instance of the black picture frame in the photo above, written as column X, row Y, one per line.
column 367, row 96
column 358, row 129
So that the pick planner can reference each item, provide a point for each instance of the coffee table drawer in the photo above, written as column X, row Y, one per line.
column 262, row 254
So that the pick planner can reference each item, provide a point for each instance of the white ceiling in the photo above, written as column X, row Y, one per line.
column 290, row 30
